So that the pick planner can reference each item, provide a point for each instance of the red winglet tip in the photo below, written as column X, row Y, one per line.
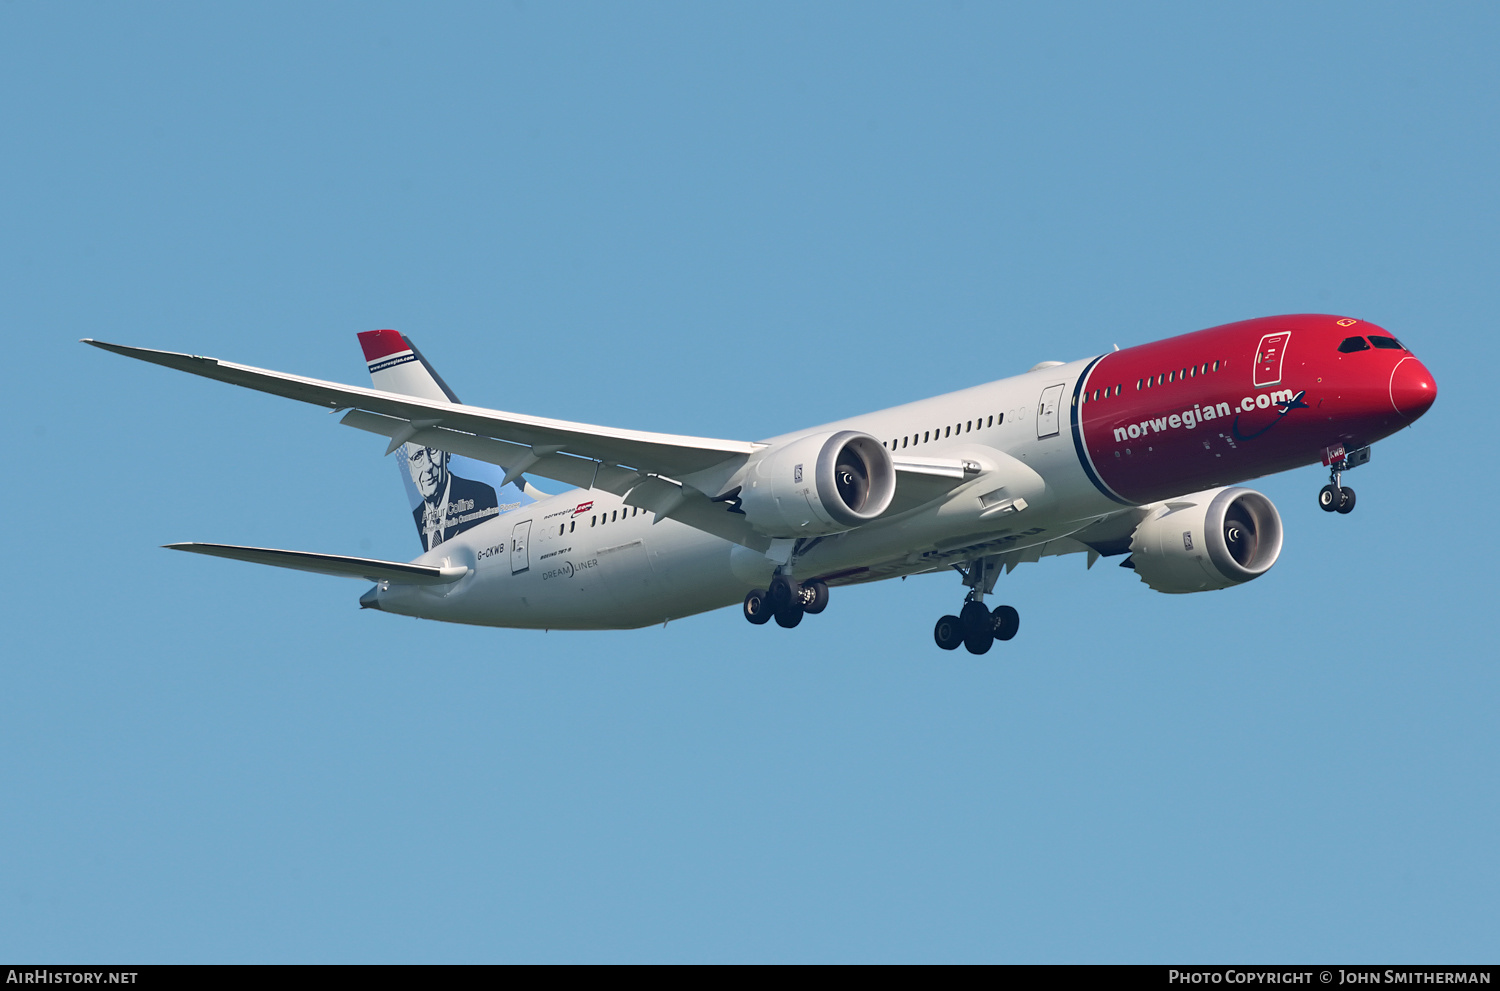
column 379, row 343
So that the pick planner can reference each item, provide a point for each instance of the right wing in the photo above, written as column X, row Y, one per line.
column 395, row 572
column 668, row 454
column 669, row 474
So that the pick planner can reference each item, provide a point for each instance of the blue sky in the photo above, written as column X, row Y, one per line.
column 729, row 220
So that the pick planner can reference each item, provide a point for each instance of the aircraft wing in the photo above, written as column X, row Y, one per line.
column 668, row 474
column 653, row 453
column 396, row 572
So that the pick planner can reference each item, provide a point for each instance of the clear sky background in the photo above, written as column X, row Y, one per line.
column 732, row 221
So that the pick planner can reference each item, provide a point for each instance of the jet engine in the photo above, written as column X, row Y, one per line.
column 819, row 484
column 1207, row 540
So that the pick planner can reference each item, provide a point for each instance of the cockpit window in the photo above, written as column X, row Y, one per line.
column 1353, row 344
column 1389, row 343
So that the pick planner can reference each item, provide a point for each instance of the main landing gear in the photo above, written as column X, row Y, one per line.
column 975, row 626
column 1334, row 497
column 786, row 601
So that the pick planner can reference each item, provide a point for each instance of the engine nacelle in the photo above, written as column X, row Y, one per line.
column 1207, row 540
column 818, row 484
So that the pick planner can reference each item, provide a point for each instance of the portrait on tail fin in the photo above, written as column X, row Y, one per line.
column 447, row 504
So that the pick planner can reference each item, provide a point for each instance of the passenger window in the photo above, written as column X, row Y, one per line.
column 1119, row 389
column 903, row 441
column 1352, row 344
column 593, row 520
column 1216, row 366
column 1139, row 384
column 947, row 432
column 926, row 435
column 614, row 514
column 968, row 426
column 1171, row 376
column 1387, row 343
column 572, row 525
column 1000, row 418
column 992, row 421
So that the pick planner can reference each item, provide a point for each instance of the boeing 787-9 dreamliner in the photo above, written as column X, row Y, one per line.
column 1137, row 453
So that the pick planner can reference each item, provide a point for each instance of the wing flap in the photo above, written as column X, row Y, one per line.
column 395, row 572
column 920, row 481
column 683, row 504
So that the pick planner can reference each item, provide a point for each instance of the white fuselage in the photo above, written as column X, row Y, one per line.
column 586, row 560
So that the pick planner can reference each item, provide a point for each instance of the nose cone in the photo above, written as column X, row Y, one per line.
column 1412, row 388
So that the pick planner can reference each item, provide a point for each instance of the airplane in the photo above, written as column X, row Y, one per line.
column 1136, row 453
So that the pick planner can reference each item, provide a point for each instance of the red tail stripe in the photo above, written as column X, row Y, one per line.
column 380, row 343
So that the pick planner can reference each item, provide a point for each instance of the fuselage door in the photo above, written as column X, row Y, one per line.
column 1268, row 358
column 520, row 535
column 1046, row 411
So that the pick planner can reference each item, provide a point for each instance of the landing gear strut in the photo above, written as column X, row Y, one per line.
column 975, row 626
column 786, row 601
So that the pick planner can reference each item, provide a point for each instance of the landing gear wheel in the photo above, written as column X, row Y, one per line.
column 1329, row 499
column 1346, row 500
column 814, row 598
column 948, row 633
column 782, row 591
column 1006, row 622
column 757, row 609
column 978, row 626
column 789, row 615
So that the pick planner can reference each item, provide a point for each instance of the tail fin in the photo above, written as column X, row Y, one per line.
column 397, row 366
column 448, row 493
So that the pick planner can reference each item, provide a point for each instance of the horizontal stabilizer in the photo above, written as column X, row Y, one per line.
column 396, row 572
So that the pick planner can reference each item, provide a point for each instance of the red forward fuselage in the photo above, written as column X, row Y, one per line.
column 1240, row 401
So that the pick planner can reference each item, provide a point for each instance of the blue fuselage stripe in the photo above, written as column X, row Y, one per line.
column 1083, row 454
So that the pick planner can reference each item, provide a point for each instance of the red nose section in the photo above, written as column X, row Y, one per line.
column 1412, row 388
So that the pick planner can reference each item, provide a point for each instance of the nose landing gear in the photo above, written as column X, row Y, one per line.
column 975, row 626
column 1335, row 497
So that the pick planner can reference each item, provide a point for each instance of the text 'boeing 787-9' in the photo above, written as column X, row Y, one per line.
column 1135, row 452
